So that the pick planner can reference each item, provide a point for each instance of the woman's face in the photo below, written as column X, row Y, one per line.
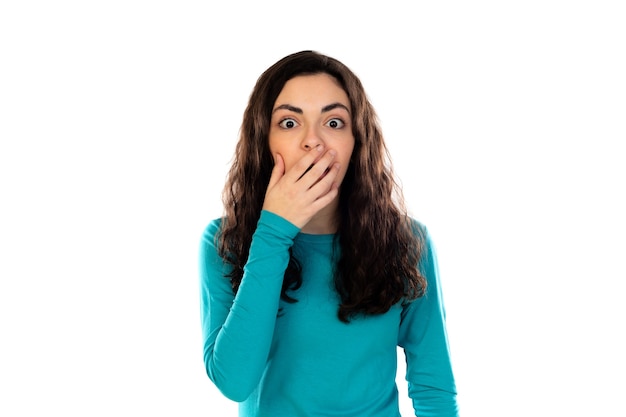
column 312, row 110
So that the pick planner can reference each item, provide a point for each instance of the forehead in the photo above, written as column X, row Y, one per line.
column 317, row 87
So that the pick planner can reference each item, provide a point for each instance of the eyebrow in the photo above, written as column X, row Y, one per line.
column 299, row 110
column 335, row 106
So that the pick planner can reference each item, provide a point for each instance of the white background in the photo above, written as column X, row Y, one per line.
column 118, row 119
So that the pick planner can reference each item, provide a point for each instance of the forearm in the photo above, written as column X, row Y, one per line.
column 237, row 346
column 433, row 402
column 424, row 338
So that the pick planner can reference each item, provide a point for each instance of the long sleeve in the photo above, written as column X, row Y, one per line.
column 424, row 339
column 238, row 330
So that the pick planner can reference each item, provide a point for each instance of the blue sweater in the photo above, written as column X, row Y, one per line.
column 304, row 361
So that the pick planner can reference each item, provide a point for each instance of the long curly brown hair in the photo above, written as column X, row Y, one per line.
column 380, row 244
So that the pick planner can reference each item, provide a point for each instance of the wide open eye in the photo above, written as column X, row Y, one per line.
column 288, row 123
column 335, row 123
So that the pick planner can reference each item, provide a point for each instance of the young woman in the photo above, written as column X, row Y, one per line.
column 315, row 273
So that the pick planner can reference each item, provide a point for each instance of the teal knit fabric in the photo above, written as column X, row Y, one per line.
column 302, row 360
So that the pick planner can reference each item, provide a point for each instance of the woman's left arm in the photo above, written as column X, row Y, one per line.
column 424, row 338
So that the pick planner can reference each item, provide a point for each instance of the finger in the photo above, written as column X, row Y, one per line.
column 326, row 181
column 305, row 163
column 319, row 170
column 327, row 187
column 278, row 171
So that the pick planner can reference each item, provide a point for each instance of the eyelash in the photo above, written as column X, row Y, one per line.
column 287, row 119
column 341, row 122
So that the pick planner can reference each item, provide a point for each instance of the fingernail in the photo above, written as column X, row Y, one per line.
column 332, row 152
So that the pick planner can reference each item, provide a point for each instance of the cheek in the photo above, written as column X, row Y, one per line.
column 345, row 163
column 288, row 159
column 273, row 143
column 347, row 155
column 275, row 150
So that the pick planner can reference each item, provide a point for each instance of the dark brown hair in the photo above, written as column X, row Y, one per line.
column 380, row 244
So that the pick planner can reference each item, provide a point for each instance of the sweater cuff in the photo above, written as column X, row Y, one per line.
column 278, row 224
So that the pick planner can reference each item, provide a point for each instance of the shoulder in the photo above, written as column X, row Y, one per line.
column 212, row 228
column 420, row 230
column 211, row 232
column 427, row 258
column 210, row 257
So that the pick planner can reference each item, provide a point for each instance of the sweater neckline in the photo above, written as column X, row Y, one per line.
column 315, row 238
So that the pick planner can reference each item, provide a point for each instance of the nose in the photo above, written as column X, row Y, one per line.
column 311, row 139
